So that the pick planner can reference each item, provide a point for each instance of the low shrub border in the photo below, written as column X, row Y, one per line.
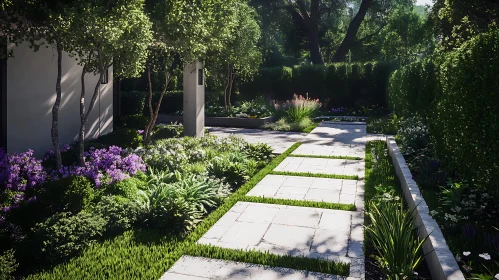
column 329, row 157
column 154, row 253
column 300, row 203
column 316, row 175
column 439, row 258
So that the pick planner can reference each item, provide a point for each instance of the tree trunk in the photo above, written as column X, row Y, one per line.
column 153, row 115
column 226, row 88
column 55, row 109
column 315, row 48
column 353, row 28
column 81, row 135
column 231, row 82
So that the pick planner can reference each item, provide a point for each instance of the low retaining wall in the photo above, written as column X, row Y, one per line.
column 221, row 121
column 438, row 256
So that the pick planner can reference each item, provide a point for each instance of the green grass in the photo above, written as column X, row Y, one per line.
column 256, row 257
column 300, row 203
column 311, row 127
column 317, row 175
column 148, row 254
column 329, row 157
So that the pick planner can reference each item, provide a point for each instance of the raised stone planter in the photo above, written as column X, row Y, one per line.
column 221, row 121
column 439, row 258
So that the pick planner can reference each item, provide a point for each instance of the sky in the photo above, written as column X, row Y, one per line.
column 424, row 2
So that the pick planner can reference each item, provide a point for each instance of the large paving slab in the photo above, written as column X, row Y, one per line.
column 280, row 141
column 322, row 165
column 197, row 268
column 289, row 230
column 310, row 189
column 334, row 139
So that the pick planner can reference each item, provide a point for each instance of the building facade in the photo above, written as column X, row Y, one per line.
column 27, row 85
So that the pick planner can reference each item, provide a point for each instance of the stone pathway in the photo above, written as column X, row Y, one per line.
column 280, row 141
column 333, row 235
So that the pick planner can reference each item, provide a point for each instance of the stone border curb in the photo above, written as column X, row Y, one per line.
column 221, row 121
column 438, row 256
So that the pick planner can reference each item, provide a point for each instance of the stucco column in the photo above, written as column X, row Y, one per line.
column 194, row 99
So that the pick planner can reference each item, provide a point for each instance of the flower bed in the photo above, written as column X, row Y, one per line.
column 466, row 212
column 162, row 190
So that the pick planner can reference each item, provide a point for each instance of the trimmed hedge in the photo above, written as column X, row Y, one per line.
column 337, row 85
column 458, row 97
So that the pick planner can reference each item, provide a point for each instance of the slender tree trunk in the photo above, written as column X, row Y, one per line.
column 81, row 135
column 231, row 82
column 87, row 114
column 351, row 35
column 153, row 115
column 314, row 46
column 55, row 109
column 227, row 81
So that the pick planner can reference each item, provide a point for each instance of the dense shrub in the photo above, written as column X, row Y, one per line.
column 168, row 131
column 412, row 89
column 457, row 96
column 8, row 265
column 119, row 212
column 70, row 194
column 132, row 102
column 136, row 122
column 260, row 152
column 122, row 137
column 64, row 235
column 339, row 84
column 179, row 206
column 127, row 188
column 466, row 124
column 273, row 81
column 235, row 168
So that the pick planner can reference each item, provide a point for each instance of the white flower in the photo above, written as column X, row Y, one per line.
column 485, row 256
column 415, row 273
column 458, row 258
column 497, row 276
column 466, row 253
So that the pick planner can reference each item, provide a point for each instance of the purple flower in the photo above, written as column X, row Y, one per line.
column 140, row 132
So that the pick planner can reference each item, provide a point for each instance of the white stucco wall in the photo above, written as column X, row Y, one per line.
column 31, row 78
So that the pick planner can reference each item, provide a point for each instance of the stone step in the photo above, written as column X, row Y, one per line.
column 289, row 230
column 323, row 166
column 310, row 189
column 197, row 268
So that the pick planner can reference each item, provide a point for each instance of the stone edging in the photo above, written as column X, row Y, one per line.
column 438, row 256
column 221, row 121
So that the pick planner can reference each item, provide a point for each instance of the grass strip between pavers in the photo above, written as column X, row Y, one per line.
column 300, row 203
column 316, row 175
column 148, row 254
column 264, row 258
column 328, row 157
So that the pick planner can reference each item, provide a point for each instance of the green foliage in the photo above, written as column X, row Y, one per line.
column 234, row 168
column 466, row 124
column 300, row 203
column 8, row 265
column 121, row 137
column 167, row 131
column 413, row 89
column 317, row 175
column 132, row 102
column 265, row 258
column 119, row 212
column 127, row 188
column 392, row 233
column 274, row 81
column 148, row 254
column 71, row 194
column 180, row 205
column 305, row 125
column 64, row 235
column 137, row 122
column 336, row 85
column 260, row 152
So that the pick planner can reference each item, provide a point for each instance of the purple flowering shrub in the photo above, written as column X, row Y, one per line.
column 20, row 174
column 105, row 166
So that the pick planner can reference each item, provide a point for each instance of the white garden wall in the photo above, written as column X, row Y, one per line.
column 31, row 79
